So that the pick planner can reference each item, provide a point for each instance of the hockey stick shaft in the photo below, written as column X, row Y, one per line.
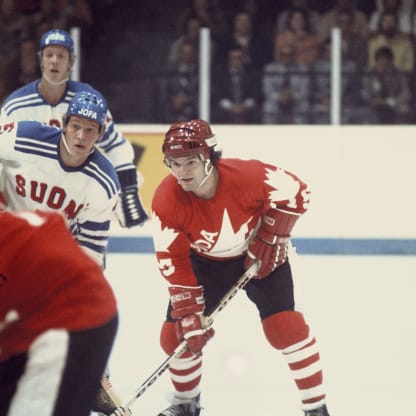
column 181, row 348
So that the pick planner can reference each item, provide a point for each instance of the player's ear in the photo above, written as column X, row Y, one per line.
column 40, row 60
column 72, row 59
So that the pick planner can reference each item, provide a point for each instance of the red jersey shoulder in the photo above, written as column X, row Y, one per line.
column 247, row 173
column 43, row 257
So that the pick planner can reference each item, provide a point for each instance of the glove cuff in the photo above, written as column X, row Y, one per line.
column 277, row 223
column 128, row 179
column 186, row 300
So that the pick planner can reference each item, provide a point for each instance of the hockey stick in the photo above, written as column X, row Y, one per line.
column 181, row 348
column 109, row 399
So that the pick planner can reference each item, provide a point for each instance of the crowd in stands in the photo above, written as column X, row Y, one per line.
column 274, row 66
column 22, row 23
column 270, row 61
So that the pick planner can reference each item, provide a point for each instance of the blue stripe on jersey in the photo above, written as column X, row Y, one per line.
column 103, row 176
column 32, row 100
column 111, row 138
column 94, row 226
column 114, row 144
column 125, row 166
column 37, row 138
column 35, row 147
column 28, row 92
column 93, row 235
column 28, row 96
column 98, row 249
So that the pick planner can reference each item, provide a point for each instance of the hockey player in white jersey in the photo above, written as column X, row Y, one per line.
column 51, row 169
column 47, row 100
column 47, row 168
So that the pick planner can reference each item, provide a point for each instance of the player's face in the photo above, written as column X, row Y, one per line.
column 189, row 171
column 81, row 134
column 55, row 62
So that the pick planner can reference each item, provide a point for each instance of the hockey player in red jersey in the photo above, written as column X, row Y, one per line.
column 58, row 318
column 212, row 218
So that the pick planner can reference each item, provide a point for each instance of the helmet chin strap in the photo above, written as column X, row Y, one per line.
column 67, row 147
column 66, row 144
column 208, row 171
column 55, row 83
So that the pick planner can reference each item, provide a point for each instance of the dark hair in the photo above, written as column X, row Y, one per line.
column 305, row 18
column 384, row 14
column 384, row 52
column 215, row 156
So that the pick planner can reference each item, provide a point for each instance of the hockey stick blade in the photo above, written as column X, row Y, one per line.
column 181, row 348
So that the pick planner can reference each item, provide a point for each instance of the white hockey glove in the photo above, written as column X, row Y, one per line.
column 188, row 304
column 131, row 211
column 271, row 241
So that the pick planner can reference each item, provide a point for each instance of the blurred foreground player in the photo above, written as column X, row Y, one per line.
column 58, row 318
column 212, row 218
column 47, row 99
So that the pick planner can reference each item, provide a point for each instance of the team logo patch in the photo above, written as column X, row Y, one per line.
column 86, row 112
column 54, row 37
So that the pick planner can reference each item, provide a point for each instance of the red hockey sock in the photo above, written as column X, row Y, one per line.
column 185, row 372
column 288, row 332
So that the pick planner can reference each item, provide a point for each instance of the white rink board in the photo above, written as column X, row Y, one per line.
column 362, row 177
column 361, row 309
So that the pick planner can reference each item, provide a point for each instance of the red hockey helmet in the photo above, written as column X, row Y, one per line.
column 189, row 138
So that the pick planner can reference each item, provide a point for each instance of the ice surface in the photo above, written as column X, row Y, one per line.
column 361, row 310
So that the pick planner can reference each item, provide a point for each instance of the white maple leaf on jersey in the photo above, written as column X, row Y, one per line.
column 286, row 187
column 163, row 237
column 230, row 243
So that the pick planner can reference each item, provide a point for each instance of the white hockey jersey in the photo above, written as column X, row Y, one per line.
column 26, row 103
column 34, row 177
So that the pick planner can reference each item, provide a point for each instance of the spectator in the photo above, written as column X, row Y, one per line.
column 64, row 14
column 179, row 90
column 29, row 68
column 286, row 87
column 330, row 18
column 352, row 105
column 190, row 34
column 353, row 47
column 312, row 16
column 236, row 90
column 12, row 31
column 405, row 23
column 400, row 44
column 256, row 47
column 387, row 90
column 299, row 37
column 209, row 14
column 263, row 15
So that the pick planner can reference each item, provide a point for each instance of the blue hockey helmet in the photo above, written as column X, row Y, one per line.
column 57, row 37
column 88, row 104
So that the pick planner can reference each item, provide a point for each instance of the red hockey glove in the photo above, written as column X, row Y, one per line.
column 271, row 241
column 188, row 304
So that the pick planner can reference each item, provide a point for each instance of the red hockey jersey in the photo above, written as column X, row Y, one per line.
column 46, row 281
column 219, row 227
